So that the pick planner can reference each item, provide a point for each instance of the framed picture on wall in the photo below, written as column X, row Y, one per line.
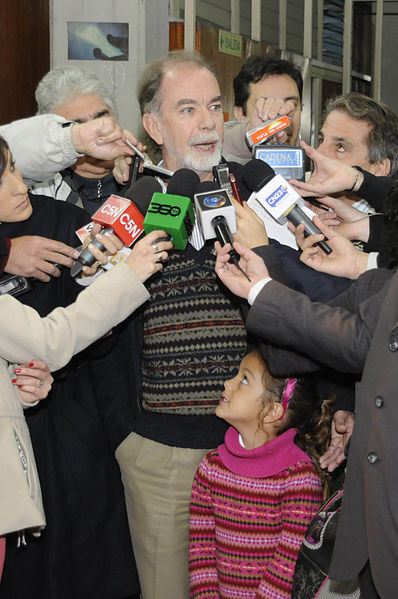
column 98, row 41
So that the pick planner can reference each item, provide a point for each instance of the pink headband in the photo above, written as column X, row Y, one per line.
column 287, row 394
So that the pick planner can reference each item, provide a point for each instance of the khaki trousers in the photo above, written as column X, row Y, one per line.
column 157, row 483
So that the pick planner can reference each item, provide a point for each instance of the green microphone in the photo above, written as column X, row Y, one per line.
column 172, row 212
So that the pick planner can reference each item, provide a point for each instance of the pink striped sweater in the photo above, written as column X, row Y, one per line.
column 249, row 512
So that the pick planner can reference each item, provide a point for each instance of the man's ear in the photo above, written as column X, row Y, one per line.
column 151, row 124
column 238, row 113
column 381, row 168
column 274, row 413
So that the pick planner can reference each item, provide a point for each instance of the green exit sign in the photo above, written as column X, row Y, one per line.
column 229, row 43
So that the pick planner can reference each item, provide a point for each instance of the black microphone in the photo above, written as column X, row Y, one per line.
column 183, row 183
column 142, row 191
column 278, row 198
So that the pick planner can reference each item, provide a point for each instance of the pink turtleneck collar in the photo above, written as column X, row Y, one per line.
column 267, row 460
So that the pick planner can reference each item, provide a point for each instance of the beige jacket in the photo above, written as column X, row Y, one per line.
column 54, row 339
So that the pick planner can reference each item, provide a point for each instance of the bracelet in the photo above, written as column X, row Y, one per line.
column 355, row 182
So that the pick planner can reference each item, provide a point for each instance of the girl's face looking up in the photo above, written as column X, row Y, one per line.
column 242, row 400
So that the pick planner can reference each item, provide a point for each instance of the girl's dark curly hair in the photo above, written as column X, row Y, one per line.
column 312, row 420
column 306, row 413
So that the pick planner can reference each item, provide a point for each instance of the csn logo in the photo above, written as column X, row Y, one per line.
column 279, row 193
column 164, row 209
column 214, row 201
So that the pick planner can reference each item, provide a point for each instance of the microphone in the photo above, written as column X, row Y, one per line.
column 215, row 211
column 266, row 131
column 173, row 211
column 278, row 198
column 235, row 189
column 216, row 215
column 122, row 216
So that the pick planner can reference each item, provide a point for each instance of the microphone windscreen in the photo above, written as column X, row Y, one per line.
column 207, row 186
column 256, row 173
column 183, row 183
column 142, row 191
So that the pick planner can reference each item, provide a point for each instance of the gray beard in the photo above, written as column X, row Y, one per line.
column 203, row 163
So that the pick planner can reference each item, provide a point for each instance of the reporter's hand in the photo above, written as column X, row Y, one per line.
column 34, row 256
column 102, row 138
column 33, row 380
column 148, row 254
column 342, row 427
column 328, row 176
column 344, row 260
column 121, row 170
column 111, row 243
column 266, row 109
column 350, row 222
column 250, row 228
column 231, row 276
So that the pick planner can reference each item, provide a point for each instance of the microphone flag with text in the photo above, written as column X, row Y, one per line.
column 278, row 198
column 122, row 216
column 172, row 211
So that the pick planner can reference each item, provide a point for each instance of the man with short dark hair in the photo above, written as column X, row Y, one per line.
column 266, row 87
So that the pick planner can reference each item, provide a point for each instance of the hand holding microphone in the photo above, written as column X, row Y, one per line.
column 233, row 279
column 274, row 195
column 122, row 216
column 149, row 254
column 95, row 240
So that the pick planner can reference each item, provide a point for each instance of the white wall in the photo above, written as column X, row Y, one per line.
column 148, row 39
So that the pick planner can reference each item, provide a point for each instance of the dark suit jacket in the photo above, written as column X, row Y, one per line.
column 361, row 336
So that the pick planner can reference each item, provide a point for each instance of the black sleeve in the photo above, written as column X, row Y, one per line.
column 270, row 254
column 374, row 189
column 5, row 246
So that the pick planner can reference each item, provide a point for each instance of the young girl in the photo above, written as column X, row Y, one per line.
column 253, row 496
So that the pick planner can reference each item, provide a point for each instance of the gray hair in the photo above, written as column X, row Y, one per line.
column 148, row 91
column 64, row 83
column 383, row 134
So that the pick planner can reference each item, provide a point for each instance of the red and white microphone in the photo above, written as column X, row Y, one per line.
column 116, row 215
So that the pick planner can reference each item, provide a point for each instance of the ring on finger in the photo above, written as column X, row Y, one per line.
column 40, row 383
column 155, row 248
column 160, row 257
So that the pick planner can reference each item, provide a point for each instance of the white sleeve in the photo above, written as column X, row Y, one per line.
column 255, row 290
column 41, row 146
column 372, row 260
column 66, row 331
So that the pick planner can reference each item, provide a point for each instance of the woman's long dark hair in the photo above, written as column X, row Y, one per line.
column 3, row 155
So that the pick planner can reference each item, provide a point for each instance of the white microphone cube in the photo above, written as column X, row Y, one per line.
column 211, row 204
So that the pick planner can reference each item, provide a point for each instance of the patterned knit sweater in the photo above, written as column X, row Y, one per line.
column 249, row 512
column 194, row 336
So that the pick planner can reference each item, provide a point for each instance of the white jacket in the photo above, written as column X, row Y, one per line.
column 41, row 146
column 54, row 339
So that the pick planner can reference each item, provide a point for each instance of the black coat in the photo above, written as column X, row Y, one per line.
column 85, row 550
